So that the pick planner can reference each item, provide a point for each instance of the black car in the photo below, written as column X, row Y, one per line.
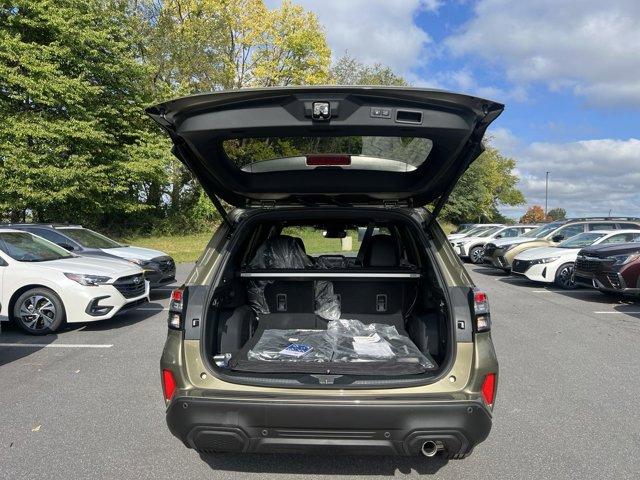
column 610, row 268
column 159, row 268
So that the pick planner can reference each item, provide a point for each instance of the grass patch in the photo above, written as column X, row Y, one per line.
column 188, row 248
column 183, row 248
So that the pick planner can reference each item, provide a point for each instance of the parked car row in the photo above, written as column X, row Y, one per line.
column 471, row 246
column 56, row 274
column 602, row 253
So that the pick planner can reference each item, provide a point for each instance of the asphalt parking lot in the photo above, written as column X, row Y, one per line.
column 567, row 404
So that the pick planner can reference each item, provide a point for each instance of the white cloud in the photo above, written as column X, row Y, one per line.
column 463, row 80
column 587, row 177
column 588, row 46
column 374, row 30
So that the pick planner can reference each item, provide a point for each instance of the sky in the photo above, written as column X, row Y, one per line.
column 568, row 72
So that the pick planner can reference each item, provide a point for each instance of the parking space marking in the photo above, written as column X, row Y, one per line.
column 633, row 312
column 151, row 309
column 57, row 345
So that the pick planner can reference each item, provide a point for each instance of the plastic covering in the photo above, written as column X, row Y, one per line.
column 285, row 345
column 343, row 341
column 354, row 341
column 284, row 251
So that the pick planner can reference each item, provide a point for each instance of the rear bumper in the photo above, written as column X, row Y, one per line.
column 213, row 425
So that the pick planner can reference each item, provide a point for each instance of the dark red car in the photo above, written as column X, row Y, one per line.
column 611, row 268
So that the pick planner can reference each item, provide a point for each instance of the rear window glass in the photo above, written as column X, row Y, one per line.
column 359, row 152
column 315, row 243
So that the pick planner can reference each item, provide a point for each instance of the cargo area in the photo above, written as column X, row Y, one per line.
column 373, row 310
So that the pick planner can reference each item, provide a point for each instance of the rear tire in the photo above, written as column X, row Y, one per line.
column 564, row 277
column 39, row 311
column 475, row 255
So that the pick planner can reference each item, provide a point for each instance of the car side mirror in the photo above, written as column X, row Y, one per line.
column 557, row 238
column 499, row 235
column 66, row 246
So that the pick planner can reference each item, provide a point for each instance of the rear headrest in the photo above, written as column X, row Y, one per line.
column 381, row 252
column 281, row 251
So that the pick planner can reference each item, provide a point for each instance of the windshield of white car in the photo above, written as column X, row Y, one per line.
column 542, row 231
column 89, row 239
column 491, row 231
column 24, row 247
column 475, row 232
column 581, row 240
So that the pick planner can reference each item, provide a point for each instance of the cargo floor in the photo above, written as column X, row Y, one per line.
column 329, row 354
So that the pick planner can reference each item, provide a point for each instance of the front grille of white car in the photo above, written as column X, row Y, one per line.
column 130, row 286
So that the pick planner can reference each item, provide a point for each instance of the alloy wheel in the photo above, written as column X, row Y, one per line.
column 565, row 277
column 477, row 255
column 37, row 312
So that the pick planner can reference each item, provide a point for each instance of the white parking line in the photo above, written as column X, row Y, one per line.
column 619, row 312
column 151, row 309
column 57, row 345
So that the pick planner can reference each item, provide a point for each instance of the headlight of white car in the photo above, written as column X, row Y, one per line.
column 137, row 261
column 624, row 259
column 544, row 260
column 87, row 280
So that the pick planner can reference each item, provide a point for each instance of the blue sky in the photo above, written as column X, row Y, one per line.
column 568, row 72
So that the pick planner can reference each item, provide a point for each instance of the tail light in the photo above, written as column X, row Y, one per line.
column 328, row 160
column 489, row 388
column 175, row 309
column 482, row 315
column 168, row 384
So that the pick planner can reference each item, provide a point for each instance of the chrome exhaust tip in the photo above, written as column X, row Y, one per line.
column 429, row 449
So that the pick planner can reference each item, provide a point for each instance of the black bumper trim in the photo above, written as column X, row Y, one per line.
column 222, row 425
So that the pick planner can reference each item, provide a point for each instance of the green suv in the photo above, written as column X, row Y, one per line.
column 291, row 334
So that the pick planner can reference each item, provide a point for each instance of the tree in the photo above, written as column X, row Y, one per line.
column 556, row 214
column 205, row 45
column 534, row 214
column 71, row 92
column 349, row 71
column 488, row 183
column 196, row 46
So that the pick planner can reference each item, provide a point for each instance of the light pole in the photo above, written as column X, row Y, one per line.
column 546, row 195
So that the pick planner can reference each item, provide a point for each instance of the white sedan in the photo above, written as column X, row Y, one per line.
column 555, row 264
column 42, row 285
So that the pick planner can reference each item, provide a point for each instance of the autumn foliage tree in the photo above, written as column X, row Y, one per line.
column 534, row 214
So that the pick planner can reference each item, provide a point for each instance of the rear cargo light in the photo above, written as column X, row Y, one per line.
column 489, row 389
column 328, row 160
column 168, row 384
column 481, row 311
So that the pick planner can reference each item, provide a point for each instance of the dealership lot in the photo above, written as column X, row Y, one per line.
column 87, row 402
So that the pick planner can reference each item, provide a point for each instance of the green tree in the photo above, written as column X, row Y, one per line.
column 534, row 214
column 205, row 45
column 556, row 214
column 196, row 46
column 488, row 183
column 349, row 71
column 71, row 95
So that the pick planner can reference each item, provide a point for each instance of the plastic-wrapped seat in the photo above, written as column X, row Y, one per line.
column 267, row 296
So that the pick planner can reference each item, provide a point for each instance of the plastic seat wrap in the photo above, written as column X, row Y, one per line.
column 284, row 251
